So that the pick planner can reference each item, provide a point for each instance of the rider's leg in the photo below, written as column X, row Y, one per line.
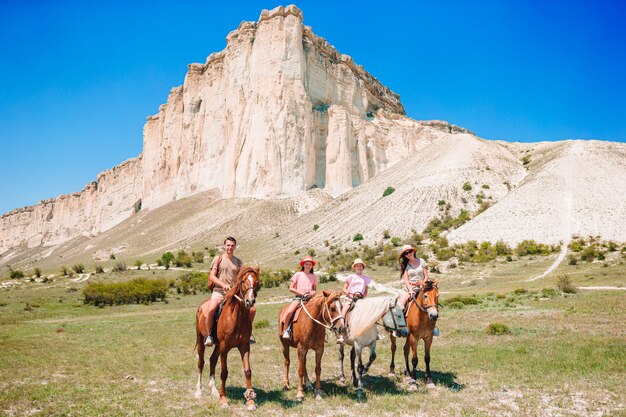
column 287, row 319
column 216, row 299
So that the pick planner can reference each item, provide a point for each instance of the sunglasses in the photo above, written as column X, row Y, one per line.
column 409, row 252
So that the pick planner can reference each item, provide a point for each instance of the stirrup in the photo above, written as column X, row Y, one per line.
column 208, row 341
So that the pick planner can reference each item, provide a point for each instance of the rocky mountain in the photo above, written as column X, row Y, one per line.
column 279, row 132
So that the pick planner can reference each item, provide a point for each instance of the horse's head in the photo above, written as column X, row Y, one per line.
column 428, row 299
column 248, row 285
column 333, row 307
column 394, row 318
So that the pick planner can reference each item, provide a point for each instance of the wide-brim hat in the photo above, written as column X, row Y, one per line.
column 307, row 259
column 358, row 261
column 405, row 249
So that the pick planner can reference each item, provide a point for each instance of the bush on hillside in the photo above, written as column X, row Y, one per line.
column 136, row 291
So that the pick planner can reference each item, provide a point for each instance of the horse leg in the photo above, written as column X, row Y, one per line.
column 342, row 377
column 301, row 372
column 318, row 372
column 392, row 365
column 201, row 348
column 372, row 358
column 212, row 363
column 427, row 343
column 249, row 395
column 359, row 387
column 287, row 362
column 352, row 367
column 414, row 359
column 223, row 375
column 407, row 347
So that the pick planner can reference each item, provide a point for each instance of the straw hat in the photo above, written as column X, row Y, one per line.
column 307, row 259
column 405, row 249
column 358, row 261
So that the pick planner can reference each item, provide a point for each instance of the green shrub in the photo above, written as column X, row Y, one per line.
column 456, row 304
column 166, row 259
column 589, row 253
column 549, row 292
column 502, row 248
column 212, row 253
column 191, row 283
column 99, row 269
column 138, row 264
column 498, row 329
column 467, row 186
column 37, row 272
column 463, row 299
column 526, row 160
column 64, row 270
column 388, row 191
column 357, row 237
column 183, row 260
column 577, row 245
column 530, row 247
column 520, row 291
column 564, row 284
column 572, row 260
column 386, row 234
column 119, row 267
column 396, row 241
column 269, row 279
column 16, row 273
column 316, row 227
column 79, row 268
column 198, row 257
column 136, row 291
column 261, row 324
column 486, row 186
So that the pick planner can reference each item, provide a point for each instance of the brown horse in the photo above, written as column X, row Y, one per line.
column 322, row 312
column 421, row 318
column 233, row 330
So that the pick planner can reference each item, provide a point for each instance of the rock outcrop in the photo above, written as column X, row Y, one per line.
column 277, row 112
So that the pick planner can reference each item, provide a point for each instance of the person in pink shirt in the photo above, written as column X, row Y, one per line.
column 304, row 286
column 355, row 288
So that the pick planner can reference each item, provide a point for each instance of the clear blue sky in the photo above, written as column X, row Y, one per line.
column 78, row 78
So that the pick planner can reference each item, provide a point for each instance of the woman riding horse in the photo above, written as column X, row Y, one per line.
column 233, row 330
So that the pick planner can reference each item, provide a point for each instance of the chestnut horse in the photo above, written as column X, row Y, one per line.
column 421, row 317
column 322, row 312
column 233, row 330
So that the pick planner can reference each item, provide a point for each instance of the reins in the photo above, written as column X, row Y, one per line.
column 324, row 308
column 425, row 308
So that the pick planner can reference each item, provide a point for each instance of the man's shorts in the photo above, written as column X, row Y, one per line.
column 217, row 295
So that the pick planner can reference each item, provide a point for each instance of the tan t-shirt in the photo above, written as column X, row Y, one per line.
column 228, row 270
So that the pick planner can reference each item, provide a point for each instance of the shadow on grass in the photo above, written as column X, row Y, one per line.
column 445, row 379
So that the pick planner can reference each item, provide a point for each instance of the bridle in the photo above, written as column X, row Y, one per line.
column 242, row 292
column 326, row 310
column 426, row 307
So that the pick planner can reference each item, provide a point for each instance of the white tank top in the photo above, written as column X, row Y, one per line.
column 416, row 274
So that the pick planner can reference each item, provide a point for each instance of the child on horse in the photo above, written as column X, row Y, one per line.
column 304, row 286
column 355, row 288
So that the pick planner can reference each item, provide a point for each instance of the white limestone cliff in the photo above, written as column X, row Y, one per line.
column 277, row 112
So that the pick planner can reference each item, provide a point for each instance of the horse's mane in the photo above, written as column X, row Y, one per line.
column 365, row 314
column 240, row 276
column 320, row 297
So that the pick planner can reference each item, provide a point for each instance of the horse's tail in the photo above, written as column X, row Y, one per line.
column 195, row 348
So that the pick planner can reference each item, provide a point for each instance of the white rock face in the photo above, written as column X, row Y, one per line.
column 277, row 112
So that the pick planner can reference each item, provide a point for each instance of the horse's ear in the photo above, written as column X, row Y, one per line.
column 326, row 293
column 436, row 282
column 256, row 269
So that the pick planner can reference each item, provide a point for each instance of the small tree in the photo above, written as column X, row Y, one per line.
column 138, row 264
column 99, row 269
column 388, row 191
column 38, row 272
column 357, row 237
column 16, row 273
column 198, row 257
column 386, row 234
column 64, row 270
column 315, row 227
column 467, row 186
column 166, row 259
column 79, row 268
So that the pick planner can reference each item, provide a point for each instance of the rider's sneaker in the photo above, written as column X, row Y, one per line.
column 286, row 334
column 340, row 340
column 208, row 342
column 252, row 340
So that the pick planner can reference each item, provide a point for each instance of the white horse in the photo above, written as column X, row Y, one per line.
column 362, row 332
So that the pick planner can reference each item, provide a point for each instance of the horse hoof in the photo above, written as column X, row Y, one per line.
column 309, row 386
column 285, row 387
column 391, row 375
column 412, row 387
column 198, row 394
column 300, row 398
column 251, row 407
column 319, row 394
column 215, row 393
column 224, row 404
column 342, row 382
column 359, row 393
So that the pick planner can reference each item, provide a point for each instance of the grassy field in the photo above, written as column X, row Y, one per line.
column 565, row 353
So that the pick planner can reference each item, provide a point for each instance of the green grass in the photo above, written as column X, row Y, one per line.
column 66, row 358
